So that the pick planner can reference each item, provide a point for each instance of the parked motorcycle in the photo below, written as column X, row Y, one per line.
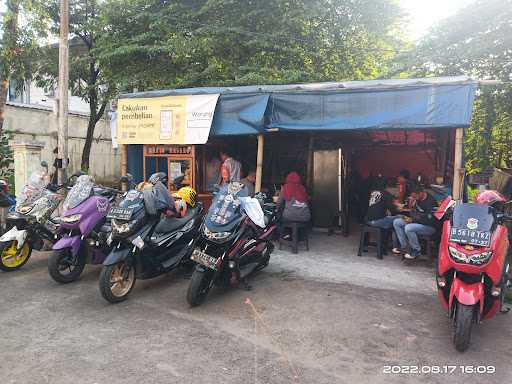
column 473, row 267
column 234, row 242
column 7, row 203
column 31, row 222
column 83, row 228
column 146, row 244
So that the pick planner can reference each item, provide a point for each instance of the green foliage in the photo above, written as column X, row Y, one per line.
column 89, row 77
column 477, row 41
column 18, row 43
column 6, row 158
column 154, row 44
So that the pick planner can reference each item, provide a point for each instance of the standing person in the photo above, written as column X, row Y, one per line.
column 231, row 165
column 249, row 181
column 380, row 206
column 295, row 199
column 421, row 222
column 212, row 170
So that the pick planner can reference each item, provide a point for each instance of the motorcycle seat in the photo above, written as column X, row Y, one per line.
column 169, row 224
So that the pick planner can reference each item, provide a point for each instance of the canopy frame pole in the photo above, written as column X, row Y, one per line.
column 259, row 163
column 124, row 159
column 458, row 170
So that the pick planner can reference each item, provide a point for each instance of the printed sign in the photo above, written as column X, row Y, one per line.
column 165, row 120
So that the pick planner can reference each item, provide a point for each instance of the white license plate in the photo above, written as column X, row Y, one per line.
column 204, row 259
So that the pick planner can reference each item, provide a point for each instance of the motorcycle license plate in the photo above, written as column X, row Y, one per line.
column 470, row 236
column 120, row 213
column 204, row 259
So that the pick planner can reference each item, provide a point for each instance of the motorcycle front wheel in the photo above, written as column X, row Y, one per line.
column 116, row 283
column 65, row 268
column 200, row 285
column 10, row 258
column 464, row 318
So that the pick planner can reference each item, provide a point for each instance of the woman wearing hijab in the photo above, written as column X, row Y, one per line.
column 295, row 199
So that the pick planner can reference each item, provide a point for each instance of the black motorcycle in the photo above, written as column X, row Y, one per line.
column 233, row 243
column 145, row 243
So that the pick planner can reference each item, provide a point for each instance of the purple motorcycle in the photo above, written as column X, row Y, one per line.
column 84, row 230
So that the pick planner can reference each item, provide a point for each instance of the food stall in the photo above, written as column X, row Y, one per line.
column 324, row 131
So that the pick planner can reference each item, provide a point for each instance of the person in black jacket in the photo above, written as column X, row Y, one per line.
column 380, row 206
column 420, row 222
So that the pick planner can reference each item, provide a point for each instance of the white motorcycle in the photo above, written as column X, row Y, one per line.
column 32, row 221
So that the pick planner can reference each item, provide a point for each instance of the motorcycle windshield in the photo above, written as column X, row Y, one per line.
column 34, row 188
column 225, row 210
column 80, row 192
column 474, row 217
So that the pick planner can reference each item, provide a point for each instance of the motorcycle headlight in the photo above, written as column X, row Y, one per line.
column 24, row 209
column 214, row 235
column 476, row 258
column 70, row 219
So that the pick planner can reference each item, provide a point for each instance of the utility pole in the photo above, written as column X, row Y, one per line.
column 63, row 91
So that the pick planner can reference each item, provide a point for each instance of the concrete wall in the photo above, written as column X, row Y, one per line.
column 31, row 123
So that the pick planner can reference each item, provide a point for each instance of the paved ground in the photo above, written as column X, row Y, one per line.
column 337, row 318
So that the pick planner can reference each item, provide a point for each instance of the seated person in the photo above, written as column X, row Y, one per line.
column 249, row 181
column 420, row 222
column 404, row 185
column 294, row 198
column 380, row 206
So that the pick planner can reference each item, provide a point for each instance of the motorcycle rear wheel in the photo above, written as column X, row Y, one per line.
column 58, row 264
column 10, row 258
column 113, row 286
column 200, row 285
column 464, row 318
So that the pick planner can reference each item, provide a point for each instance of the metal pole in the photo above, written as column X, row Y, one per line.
column 259, row 164
column 458, row 170
column 63, row 89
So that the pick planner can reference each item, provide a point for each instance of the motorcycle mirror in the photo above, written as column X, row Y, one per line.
column 44, row 164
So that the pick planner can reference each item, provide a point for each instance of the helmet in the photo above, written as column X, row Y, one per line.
column 188, row 195
column 489, row 197
column 159, row 176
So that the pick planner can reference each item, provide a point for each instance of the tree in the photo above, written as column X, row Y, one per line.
column 17, row 47
column 228, row 42
column 477, row 41
column 88, row 77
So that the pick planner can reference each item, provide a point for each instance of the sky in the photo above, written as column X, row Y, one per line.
column 425, row 13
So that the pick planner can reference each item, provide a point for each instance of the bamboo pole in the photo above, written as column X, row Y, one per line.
column 458, row 170
column 124, row 160
column 259, row 164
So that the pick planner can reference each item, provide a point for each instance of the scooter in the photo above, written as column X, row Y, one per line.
column 32, row 222
column 145, row 244
column 7, row 204
column 235, row 241
column 473, row 268
column 84, row 230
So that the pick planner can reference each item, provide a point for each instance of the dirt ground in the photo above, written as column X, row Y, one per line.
column 322, row 317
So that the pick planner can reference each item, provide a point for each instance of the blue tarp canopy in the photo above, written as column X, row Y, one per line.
column 438, row 102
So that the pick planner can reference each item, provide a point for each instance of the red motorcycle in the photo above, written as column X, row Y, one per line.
column 235, row 241
column 473, row 265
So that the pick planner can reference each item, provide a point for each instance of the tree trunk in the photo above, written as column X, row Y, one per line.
column 88, row 144
column 93, row 120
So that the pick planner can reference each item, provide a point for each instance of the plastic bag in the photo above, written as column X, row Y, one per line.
column 252, row 207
